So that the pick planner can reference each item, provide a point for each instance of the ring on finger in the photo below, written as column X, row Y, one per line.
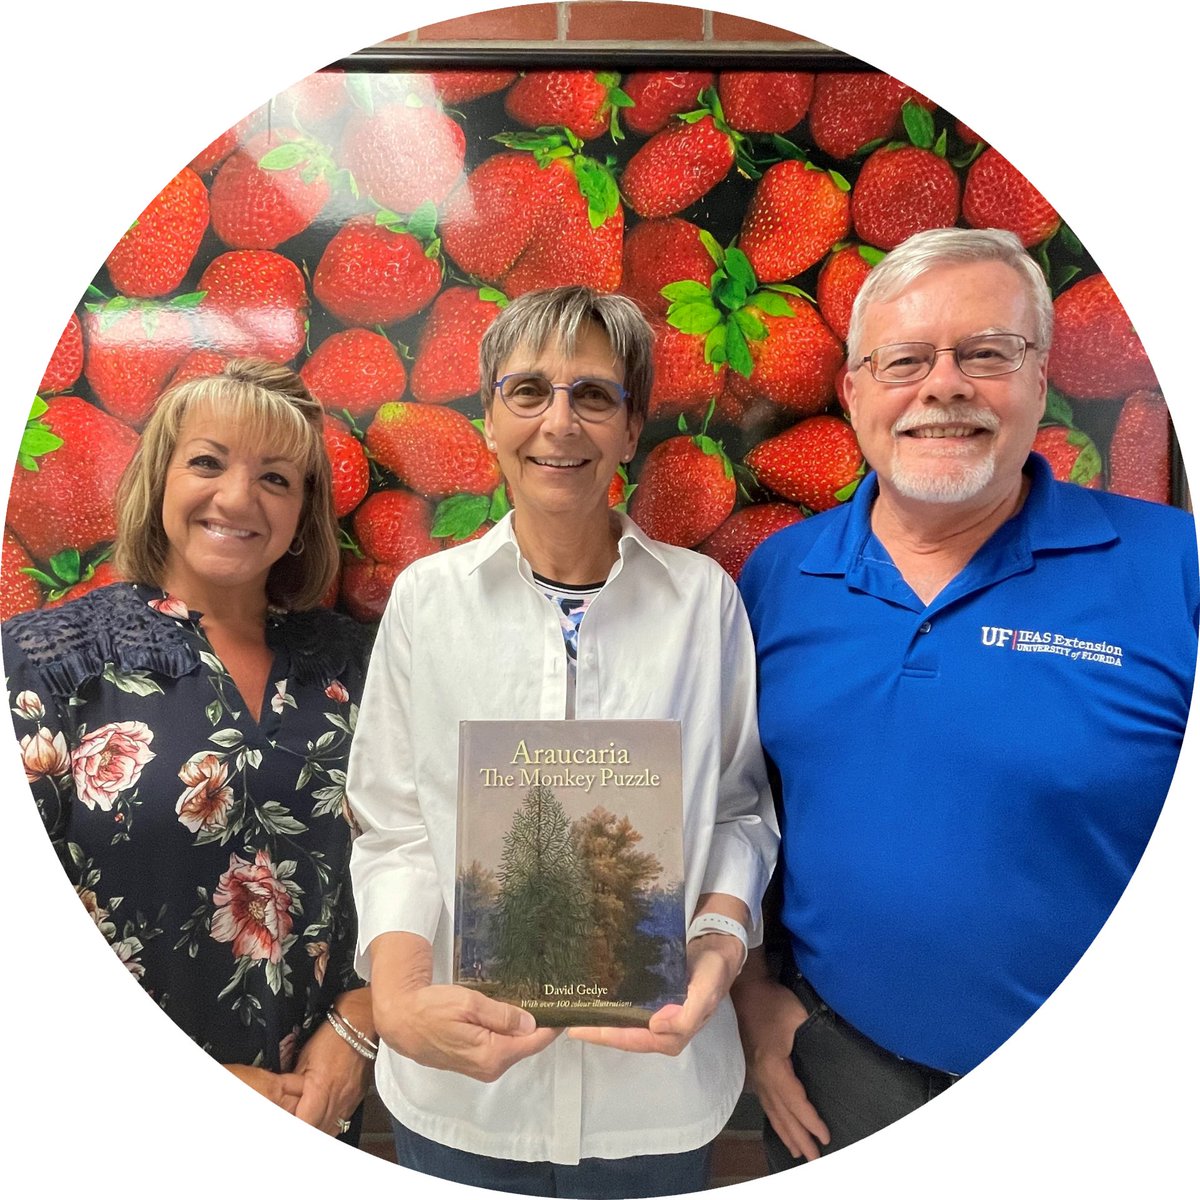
column 342, row 1125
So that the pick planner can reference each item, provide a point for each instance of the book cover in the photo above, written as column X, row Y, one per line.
column 569, row 887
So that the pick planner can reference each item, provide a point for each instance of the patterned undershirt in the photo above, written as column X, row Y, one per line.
column 570, row 601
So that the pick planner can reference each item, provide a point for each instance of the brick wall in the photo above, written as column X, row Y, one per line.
column 738, row 1154
column 597, row 23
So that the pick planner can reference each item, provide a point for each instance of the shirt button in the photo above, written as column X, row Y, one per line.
column 925, row 627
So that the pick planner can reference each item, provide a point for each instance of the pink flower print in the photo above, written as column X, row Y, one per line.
column 170, row 606
column 30, row 706
column 205, row 803
column 253, row 909
column 337, row 691
column 44, row 753
column 109, row 761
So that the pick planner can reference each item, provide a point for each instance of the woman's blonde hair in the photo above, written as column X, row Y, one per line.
column 271, row 403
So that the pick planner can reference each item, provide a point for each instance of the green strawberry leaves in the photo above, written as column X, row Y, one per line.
column 617, row 100
column 1058, row 411
column 66, row 570
column 38, row 438
column 918, row 124
column 458, row 517
column 1089, row 464
column 596, row 181
column 721, row 310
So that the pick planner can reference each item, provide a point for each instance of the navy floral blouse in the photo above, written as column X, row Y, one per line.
column 211, row 850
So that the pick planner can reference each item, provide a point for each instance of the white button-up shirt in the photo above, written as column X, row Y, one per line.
column 468, row 635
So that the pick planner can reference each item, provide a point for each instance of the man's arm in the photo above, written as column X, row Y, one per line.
column 768, row 1016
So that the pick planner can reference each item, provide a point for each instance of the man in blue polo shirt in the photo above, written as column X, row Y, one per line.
column 973, row 682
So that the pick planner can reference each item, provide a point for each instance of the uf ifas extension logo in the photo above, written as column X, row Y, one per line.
column 1035, row 641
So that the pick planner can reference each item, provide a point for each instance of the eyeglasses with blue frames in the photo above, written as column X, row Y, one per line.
column 979, row 356
column 529, row 394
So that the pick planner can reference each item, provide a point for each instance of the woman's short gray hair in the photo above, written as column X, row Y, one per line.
column 556, row 316
column 943, row 247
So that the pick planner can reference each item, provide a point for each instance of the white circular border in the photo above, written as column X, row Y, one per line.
column 105, row 103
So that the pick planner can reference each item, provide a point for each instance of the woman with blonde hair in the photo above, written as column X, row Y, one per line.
column 186, row 733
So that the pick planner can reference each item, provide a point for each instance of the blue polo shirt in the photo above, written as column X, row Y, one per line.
column 968, row 785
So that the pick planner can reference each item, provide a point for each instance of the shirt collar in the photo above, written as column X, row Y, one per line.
column 500, row 541
column 1054, row 517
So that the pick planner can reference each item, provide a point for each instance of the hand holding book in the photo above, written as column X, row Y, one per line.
column 713, row 963
column 446, row 1026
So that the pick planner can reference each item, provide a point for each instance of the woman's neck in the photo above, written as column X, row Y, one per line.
column 568, row 549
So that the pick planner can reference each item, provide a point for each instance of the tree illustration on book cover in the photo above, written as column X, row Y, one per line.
column 571, row 908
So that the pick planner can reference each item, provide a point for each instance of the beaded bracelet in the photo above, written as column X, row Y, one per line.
column 335, row 1020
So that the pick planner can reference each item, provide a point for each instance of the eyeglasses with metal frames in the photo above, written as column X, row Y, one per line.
column 980, row 356
column 528, row 394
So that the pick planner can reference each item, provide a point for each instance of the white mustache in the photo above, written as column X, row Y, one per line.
column 980, row 418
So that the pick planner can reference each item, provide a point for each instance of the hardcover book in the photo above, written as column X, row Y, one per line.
column 569, row 885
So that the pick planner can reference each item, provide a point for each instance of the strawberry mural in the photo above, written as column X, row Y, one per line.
column 366, row 227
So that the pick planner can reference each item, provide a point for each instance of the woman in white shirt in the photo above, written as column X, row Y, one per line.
column 478, row 1093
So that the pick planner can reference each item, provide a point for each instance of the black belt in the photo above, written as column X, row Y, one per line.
column 812, row 1002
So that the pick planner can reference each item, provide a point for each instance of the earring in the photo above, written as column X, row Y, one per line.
column 297, row 546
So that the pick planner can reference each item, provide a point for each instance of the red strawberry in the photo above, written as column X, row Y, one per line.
column 585, row 102
column 684, row 382
column 567, row 246
column 998, row 196
column 619, row 488
column 92, row 578
column 765, row 101
column 797, row 213
column 661, row 252
column 376, row 274
column 849, row 111
column 270, row 189
column 539, row 219
column 659, row 95
column 65, row 497
column 678, row 166
column 435, row 451
column 197, row 365
column 356, row 370
column 743, row 532
column 393, row 529
column 816, row 463
column 794, row 363
column 902, row 190
column 488, row 220
column 255, row 303
column 844, row 272
column 133, row 347
column 1072, row 455
column 1097, row 354
column 66, row 362
column 447, row 362
column 1139, row 455
column 685, row 490
column 459, row 87
column 351, row 474
column 158, row 248
column 18, row 593
column 402, row 155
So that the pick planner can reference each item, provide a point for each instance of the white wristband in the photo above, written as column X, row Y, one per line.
column 711, row 922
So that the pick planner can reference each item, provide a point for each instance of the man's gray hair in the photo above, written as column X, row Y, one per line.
column 943, row 247
column 556, row 317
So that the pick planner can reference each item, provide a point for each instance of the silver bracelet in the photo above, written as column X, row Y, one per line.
column 711, row 922
column 335, row 1022
column 358, row 1033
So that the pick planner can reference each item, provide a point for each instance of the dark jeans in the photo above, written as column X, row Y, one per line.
column 857, row 1086
column 591, row 1179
